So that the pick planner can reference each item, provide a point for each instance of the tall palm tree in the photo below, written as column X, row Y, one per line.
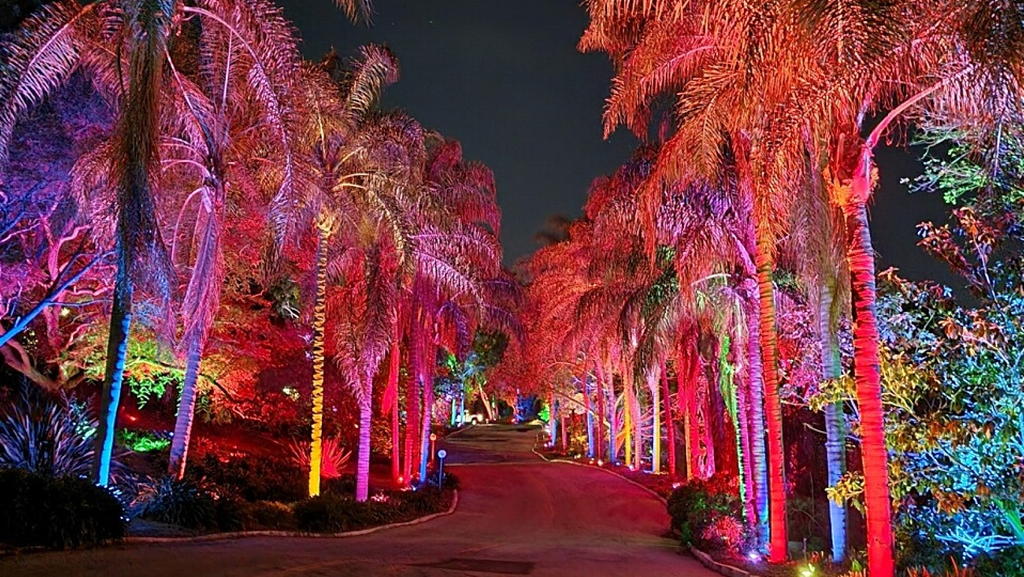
column 337, row 161
column 49, row 45
column 237, row 103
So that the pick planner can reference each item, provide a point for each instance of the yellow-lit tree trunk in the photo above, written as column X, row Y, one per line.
column 317, row 393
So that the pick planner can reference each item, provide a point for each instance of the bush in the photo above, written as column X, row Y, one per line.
column 697, row 505
column 334, row 514
column 341, row 486
column 1007, row 562
column 252, row 479
column 49, row 435
column 56, row 512
column 272, row 515
column 176, row 502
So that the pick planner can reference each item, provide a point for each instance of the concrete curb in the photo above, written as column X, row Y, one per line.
column 609, row 471
column 458, row 431
column 720, row 568
column 242, row 534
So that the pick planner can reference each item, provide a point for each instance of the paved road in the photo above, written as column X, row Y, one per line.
column 517, row 516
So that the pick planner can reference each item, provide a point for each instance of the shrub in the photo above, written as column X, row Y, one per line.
column 422, row 502
column 696, row 505
column 1008, row 562
column 143, row 441
column 333, row 457
column 56, row 512
column 335, row 514
column 268, row 515
column 343, row 485
column 251, row 478
column 177, row 502
column 48, row 435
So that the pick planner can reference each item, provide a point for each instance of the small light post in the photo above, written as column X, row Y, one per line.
column 440, row 468
column 433, row 437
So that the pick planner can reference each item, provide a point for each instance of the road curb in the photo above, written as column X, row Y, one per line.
column 243, row 534
column 458, row 431
column 720, row 568
column 609, row 471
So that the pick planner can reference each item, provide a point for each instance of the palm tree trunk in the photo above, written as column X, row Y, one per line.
column 137, row 231
column 412, row 427
column 599, row 392
column 683, row 394
column 186, row 411
column 743, row 423
column 117, row 351
column 552, row 419
column 590, row 417
column 363, row 461
column 755, row 385
column 778, row 550
column 317, row 393
column 670, row 425
column 427, row 383
column 393, row 368
column 835, row 434
column 867, row 374
column 638, row 434
column 613, row 422
column 655, row 427
column 627, row 418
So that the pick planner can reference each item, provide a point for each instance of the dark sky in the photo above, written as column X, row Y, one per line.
column 505, row 79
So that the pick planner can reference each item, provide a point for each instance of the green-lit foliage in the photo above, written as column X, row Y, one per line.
column 142, row 441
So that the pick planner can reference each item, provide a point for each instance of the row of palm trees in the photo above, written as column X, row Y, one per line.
column 217, row 111
column 770, row 115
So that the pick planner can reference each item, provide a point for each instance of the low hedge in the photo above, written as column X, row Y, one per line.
column 57, row 512
column 336, row 514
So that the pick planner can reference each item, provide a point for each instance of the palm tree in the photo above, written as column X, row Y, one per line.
column 338, row 158
column 239, row 104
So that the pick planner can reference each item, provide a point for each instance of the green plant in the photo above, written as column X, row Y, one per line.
column 46, row 434
column 268, row 515
column 334, row 514
column 56, row 512
column 183, row 503
column 250, row 478
column 333, row 457
column 697, row 505
column 142, row 441
column 1008, row 562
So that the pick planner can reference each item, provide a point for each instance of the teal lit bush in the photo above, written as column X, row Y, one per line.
column 56, row 512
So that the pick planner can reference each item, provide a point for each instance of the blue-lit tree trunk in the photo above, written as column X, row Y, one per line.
column 835, row 426
column 117, row 352
column 138, row 238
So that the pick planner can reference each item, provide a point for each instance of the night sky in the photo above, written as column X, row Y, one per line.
column 505, row 79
